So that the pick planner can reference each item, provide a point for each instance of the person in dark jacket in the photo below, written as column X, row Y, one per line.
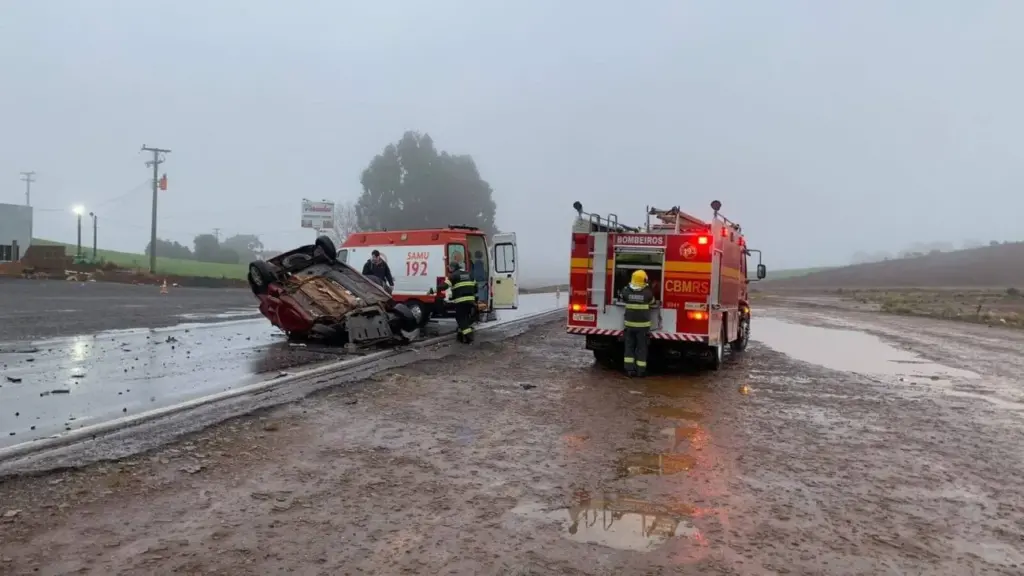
column 639, row 299
column 461, row 290
column 376, row 266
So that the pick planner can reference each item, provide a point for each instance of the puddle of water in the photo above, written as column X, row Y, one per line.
column 240, row 313
column 846, row 350
column 674, row 413
column 615, row 521
column 673, row 386
column 655, row 464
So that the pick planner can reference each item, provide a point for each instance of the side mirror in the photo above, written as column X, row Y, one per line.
column 762, row 271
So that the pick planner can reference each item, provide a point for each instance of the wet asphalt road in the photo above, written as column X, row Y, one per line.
column 51, row 386
column 839, row 443
column 34, row 309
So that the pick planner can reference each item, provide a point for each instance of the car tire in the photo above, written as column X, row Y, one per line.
column 260, row 276
column 419, row 311
column 326, row 245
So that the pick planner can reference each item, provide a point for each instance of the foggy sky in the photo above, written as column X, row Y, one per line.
column 823, row 127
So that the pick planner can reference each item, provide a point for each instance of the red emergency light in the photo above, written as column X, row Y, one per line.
column 697, row 315
column 702, row 240
column 578, row 307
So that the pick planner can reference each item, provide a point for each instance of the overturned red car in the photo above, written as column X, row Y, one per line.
column 307, row 292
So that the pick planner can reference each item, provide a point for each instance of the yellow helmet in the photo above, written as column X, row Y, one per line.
column 639, row 278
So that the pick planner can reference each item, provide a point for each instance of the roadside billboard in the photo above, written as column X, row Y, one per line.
column 318, row 214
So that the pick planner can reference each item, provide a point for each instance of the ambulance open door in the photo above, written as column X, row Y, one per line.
column 504, row 272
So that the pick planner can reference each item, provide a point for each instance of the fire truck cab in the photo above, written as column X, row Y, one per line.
column 419, row 261
column 697, row 270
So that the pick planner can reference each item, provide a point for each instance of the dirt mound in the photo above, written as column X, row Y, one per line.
column 991, row 266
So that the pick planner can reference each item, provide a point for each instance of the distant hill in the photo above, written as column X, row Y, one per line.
column 1000, row 266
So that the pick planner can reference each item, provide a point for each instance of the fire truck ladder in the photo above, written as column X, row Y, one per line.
column 600, row 227
column 672, row 220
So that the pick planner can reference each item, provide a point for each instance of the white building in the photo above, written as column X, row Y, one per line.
column 15, row 231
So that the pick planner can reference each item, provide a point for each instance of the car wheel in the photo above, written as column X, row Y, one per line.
column 326, row 245
column 260, row 276
column 419, row 311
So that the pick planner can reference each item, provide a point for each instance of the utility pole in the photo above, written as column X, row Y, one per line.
column 29, row 178
column 157, row 160
column 216, row 234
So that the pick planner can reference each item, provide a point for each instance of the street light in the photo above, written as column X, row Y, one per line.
column 79, row 210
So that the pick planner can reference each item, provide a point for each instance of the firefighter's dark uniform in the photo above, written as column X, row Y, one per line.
column 637, row 327
column 462, row 292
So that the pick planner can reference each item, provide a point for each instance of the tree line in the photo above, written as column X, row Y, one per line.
column 208, row 248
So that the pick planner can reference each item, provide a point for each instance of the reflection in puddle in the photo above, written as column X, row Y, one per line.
column 846, row 350
column 673, row 387
column 674, row 412
column 616, row 521
column 660, row 464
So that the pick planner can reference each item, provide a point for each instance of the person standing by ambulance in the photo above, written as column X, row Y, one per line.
column 461, row 290
column 639, row 299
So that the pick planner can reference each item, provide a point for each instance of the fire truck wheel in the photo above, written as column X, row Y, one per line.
column 740, row 344
column 718, row 352
column 608, row 359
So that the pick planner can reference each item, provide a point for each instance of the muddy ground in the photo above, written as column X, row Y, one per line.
column 33, row 309
column 995, row 306
column 521, row 457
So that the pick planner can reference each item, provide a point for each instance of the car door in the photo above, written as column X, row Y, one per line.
column 504, row 272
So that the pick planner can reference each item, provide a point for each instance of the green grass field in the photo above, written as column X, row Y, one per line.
column 170, row 266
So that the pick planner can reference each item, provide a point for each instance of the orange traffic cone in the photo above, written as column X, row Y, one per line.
column 163, row 288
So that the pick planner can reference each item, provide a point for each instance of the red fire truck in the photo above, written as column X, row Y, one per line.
column 697, row 269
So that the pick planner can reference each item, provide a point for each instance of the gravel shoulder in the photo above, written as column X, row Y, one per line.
column 521, row 457
column 36, row 309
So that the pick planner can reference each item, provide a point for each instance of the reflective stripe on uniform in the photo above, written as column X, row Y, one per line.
column 464, row 299
column 628, row 360
column 466, row 330
column 470, row 284
column 638, row 306
column 641, row 364
column 637, row 324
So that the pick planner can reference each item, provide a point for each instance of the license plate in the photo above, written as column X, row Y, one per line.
column 577, row 317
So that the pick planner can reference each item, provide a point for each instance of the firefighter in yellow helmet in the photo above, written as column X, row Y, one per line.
column 639, row 299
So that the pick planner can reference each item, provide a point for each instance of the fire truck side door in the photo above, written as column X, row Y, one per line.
column 504, row 272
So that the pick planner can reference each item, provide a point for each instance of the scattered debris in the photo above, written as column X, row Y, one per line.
column 13, row 380
column 11, row 513
column 62, row 391
column 528, row 386
column 192, row 468
column 351, row 401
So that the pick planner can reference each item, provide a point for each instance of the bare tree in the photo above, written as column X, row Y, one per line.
column 346, row 220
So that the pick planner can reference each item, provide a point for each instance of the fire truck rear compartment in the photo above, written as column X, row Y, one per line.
column 629, row 261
